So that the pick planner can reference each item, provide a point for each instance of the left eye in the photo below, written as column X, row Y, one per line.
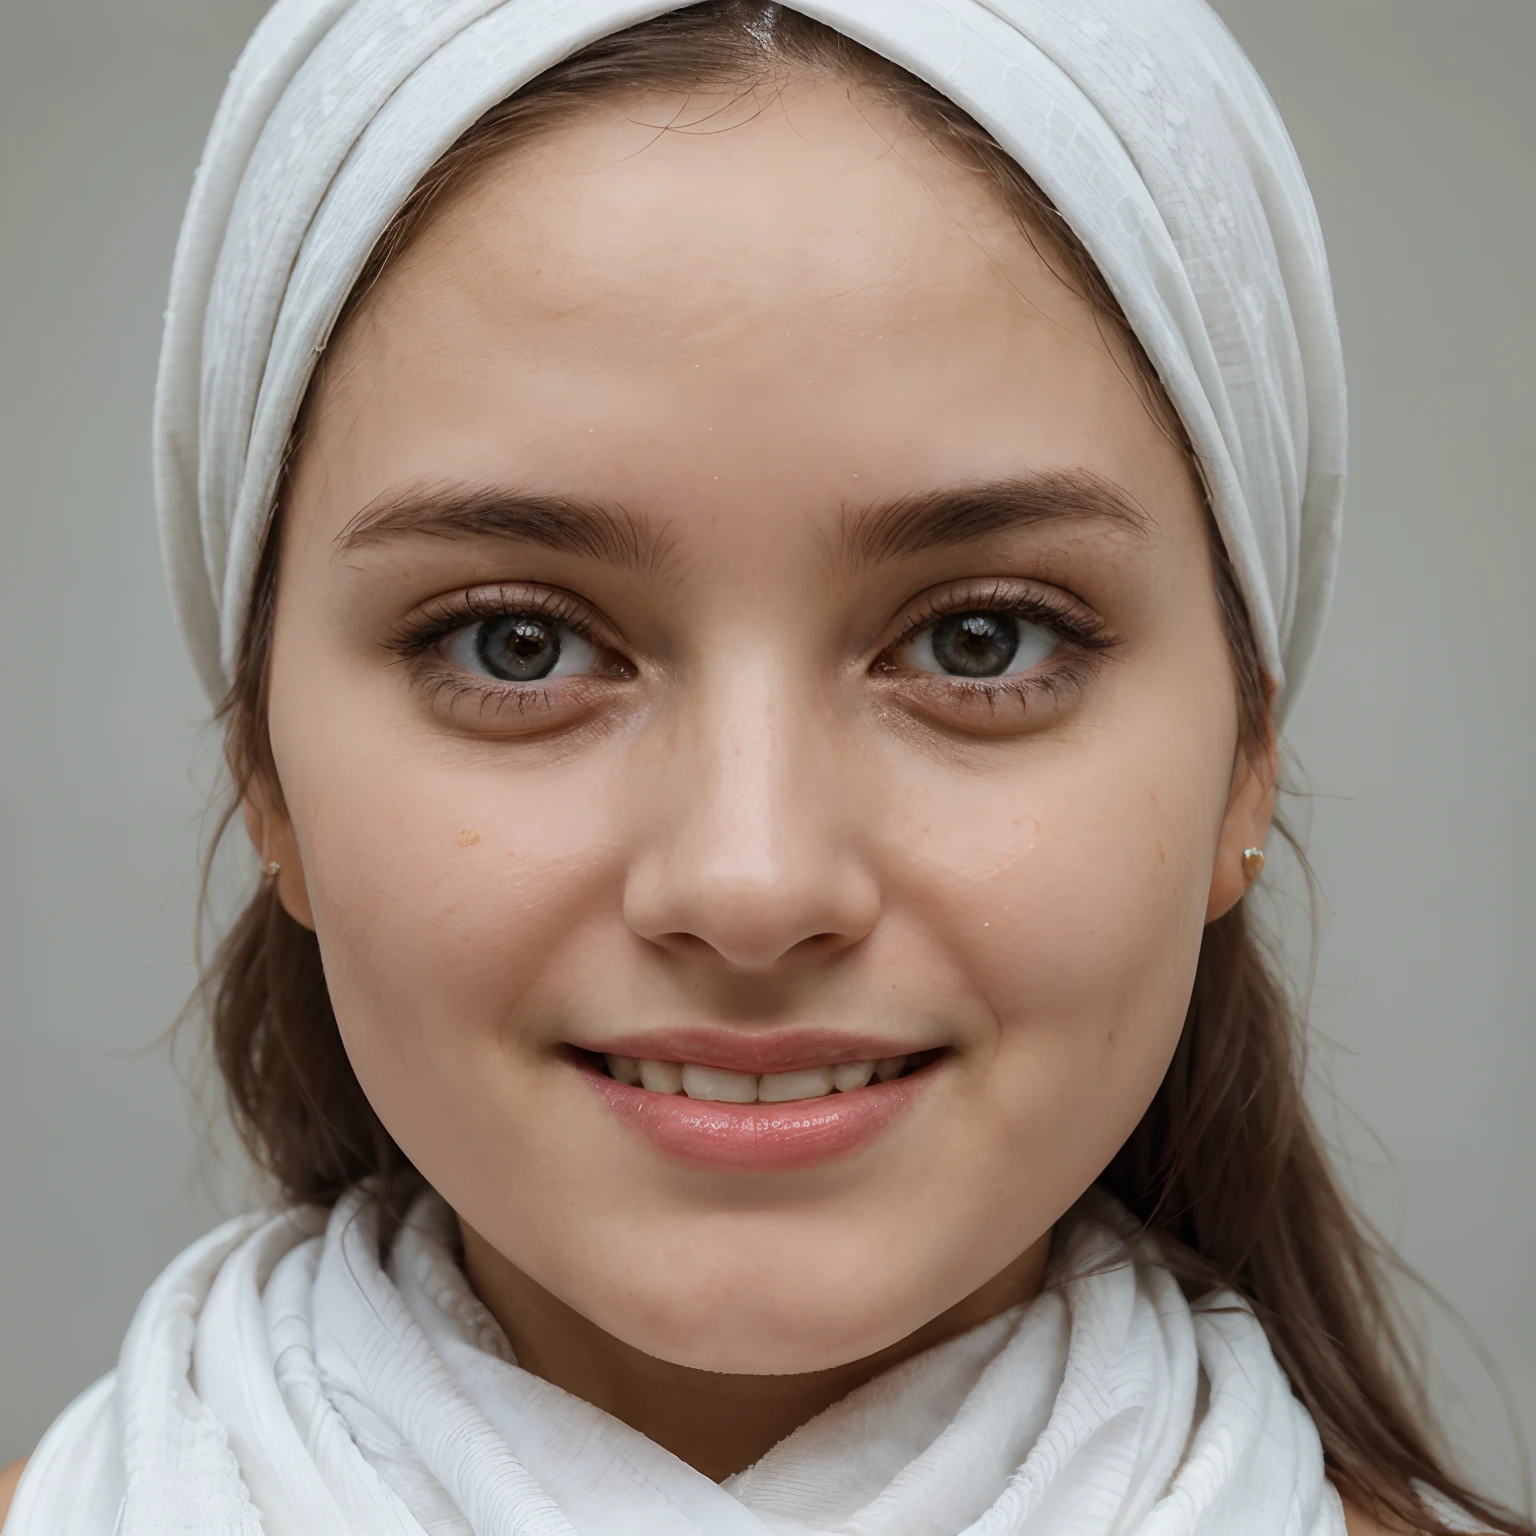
column 978, row 644
column 520, row 648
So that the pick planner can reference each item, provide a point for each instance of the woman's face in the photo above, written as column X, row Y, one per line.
column 737, row 615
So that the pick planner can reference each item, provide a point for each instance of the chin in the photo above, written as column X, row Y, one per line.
column 773, row 1308
column 760, row 1335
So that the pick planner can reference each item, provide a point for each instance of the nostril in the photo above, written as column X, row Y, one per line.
column 754, row 906
column 825, row 941
column 753, row 949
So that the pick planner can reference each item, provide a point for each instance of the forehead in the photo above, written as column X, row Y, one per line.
column 782, row 289
column 717, row 213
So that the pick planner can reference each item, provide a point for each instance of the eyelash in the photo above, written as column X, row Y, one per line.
column 1084, row 634
column 1075, row 628
column 446, row 686
column 444, row 616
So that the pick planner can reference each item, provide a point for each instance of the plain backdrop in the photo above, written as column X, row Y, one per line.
column 1414, row 119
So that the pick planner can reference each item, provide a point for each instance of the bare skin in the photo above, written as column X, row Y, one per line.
column 724, row 1422
column 783, row 361
column 799, row 393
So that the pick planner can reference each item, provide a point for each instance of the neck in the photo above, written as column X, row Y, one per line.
column 717, row 1423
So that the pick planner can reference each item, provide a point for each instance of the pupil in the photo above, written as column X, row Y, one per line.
column 519, row 649
column 976, row 644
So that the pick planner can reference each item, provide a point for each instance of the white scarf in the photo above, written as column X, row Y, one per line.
column 1141, row 119
column 278, row 1381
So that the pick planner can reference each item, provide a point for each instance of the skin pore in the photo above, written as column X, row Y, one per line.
column 749, row 416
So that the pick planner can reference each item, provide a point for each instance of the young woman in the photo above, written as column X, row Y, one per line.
column 752, row 560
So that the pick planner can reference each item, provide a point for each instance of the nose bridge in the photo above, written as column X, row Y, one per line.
column 753, row 760
column 757, row 849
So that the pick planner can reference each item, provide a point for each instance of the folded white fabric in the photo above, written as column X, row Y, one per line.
column 278, row 1380
column 1142, row 119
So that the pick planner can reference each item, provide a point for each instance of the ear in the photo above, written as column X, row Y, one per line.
column 1250, row 810
column 271, row 834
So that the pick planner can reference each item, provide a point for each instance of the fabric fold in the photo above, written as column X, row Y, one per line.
column 279, row 1379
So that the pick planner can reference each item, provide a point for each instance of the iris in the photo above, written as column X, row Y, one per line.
column 976, row 644
column 518, row 648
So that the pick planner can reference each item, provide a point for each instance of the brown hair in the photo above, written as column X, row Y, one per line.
column 1226, row 1165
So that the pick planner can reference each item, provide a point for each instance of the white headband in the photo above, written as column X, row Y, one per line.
column 1141, row 119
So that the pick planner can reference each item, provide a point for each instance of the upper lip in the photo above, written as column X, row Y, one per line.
column 790, row 1049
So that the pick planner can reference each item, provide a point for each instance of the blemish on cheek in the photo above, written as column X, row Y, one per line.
column 1162, row 858
column 468, row 837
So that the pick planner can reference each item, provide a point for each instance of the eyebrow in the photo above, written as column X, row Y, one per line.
column 890, row 530
column 448, row 510
column 940, row 519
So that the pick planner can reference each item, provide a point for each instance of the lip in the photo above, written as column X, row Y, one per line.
column 755, row 1051
column 766, row 1137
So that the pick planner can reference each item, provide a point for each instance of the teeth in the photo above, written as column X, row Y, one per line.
column 661, row 1076
column 723, row 1087
column 852, row 1074
column 745, row 1088
column 780, row 1087
column 624, row 1069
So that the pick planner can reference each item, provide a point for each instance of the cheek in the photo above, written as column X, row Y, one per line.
column 445, row 890
column 1072, row 901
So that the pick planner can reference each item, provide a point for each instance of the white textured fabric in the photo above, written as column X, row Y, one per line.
column 277, row 1379
column 1142, row 119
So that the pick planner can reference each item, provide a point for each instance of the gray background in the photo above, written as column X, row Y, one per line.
column 1414, row 119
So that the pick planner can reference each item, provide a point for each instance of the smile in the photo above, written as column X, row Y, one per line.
column 726, row 1087
column 807, row 1113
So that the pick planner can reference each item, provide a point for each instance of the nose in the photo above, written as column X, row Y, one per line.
column 750, row 849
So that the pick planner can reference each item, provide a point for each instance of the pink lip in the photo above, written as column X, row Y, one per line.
column 756, row 1051
column 777, row 1137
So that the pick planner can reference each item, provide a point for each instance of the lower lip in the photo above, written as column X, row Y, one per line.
column 799, row 1134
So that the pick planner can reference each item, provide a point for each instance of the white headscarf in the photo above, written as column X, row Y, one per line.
column 1141, row 119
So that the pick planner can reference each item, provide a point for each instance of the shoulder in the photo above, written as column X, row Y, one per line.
column 9, row 1477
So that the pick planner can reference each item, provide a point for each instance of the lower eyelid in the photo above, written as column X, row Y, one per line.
column 1065, row 674
column 452, row 691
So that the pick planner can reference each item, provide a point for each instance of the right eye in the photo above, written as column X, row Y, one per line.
column 978, row 644
column 521, row 648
